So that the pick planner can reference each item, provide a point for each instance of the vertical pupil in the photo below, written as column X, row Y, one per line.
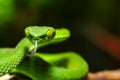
column 53, row 34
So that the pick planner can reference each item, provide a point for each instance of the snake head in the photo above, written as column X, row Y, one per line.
column 40, row 34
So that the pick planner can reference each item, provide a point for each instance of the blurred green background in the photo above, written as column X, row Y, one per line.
column 15, row 15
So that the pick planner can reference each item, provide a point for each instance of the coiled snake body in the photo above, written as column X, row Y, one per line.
column 42, row 66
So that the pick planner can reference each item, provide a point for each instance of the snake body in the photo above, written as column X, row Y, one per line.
column 43, row 66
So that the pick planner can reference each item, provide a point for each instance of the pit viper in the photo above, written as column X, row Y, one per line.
column 24, row 58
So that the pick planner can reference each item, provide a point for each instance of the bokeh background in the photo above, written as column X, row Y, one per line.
column 79, row 16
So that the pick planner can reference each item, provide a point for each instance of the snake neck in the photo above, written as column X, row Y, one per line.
column 10, row 61
column 24, row 46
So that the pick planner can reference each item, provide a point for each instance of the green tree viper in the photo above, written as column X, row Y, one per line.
column 24, row 59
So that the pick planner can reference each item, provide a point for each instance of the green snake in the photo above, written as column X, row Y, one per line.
column 24, row 59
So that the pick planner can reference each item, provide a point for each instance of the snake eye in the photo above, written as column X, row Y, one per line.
column 28, row 34
column 51, row 34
